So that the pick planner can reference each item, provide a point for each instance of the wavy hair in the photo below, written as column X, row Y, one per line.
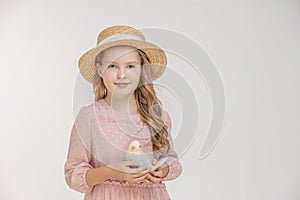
column 148, row 104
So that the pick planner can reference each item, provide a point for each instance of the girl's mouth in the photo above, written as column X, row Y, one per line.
column 121, row 85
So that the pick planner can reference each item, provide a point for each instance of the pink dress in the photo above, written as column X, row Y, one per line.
column 100, row 136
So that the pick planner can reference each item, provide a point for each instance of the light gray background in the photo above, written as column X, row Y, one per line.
column 254, row 44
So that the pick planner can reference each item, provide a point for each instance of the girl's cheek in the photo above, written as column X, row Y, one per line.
column 134, row 73
column 111, row 76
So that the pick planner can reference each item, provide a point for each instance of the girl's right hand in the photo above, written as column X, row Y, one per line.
column 130, row 171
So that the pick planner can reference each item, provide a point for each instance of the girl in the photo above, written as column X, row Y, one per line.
column 121, row 68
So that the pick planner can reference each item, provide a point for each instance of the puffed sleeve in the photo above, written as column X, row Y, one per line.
column 78, row 158
column 175, row 167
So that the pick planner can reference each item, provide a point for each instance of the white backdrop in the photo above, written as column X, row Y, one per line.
column 254, row 44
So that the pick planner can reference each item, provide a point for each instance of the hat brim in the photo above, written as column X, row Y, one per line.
column 156, row 55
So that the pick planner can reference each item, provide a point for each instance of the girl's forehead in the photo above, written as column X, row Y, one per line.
column 121, row 53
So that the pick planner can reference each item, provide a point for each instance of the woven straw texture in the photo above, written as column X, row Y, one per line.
column 155, row 54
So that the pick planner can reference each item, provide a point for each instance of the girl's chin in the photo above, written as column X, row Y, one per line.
column 120, row 93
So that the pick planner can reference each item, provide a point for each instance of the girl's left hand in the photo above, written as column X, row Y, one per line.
column 157, row 175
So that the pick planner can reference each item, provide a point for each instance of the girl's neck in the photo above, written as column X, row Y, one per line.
column 126, row 105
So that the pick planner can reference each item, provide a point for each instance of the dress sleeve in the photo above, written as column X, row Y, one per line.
column 175, row 167
column 78, row 158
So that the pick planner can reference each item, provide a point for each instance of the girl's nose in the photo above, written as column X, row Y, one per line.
column 121, row 73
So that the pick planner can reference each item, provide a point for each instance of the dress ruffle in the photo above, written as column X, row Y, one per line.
column 117, row 190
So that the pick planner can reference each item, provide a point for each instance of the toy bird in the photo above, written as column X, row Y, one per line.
column 135, row 153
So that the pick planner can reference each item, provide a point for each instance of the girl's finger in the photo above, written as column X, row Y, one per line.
column 131, row 163
column 141, row 178
column 148, row 181
column 138, row 170
column 137, row 175
column 154, row 161
column 144, row 170
column 154, row 179
column 157, row 173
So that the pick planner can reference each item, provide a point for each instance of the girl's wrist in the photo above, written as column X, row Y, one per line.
column 165, row 170
column 98, row 175
column 114, row 173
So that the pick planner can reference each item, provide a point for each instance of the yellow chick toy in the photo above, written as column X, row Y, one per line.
column 135, row 153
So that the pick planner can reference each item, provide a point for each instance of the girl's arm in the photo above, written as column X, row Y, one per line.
column 173, row 167
column 98, row 175
column 79, row 174
column 77, row 164
column 118, row 171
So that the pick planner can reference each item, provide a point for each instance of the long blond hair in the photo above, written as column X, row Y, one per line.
column 148, row 104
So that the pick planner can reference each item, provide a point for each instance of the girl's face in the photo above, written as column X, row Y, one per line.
column 120, row 69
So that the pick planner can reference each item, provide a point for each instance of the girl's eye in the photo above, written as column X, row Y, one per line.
column 131, row 66
column 112, row 66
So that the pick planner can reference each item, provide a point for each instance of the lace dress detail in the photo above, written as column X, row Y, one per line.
column 100, row 136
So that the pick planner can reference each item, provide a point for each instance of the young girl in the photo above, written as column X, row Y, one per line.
column 126, row 119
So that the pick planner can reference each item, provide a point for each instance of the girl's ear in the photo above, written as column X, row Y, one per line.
column 98, row 67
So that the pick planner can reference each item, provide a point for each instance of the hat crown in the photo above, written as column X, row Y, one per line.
column 117, row 30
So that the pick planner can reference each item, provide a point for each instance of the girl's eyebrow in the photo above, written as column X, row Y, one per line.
column 136, row 62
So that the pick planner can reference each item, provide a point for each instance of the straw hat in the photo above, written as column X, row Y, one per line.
column 121, row 35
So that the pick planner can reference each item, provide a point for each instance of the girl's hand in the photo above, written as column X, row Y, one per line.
column 157, row 175
column 130, row 171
